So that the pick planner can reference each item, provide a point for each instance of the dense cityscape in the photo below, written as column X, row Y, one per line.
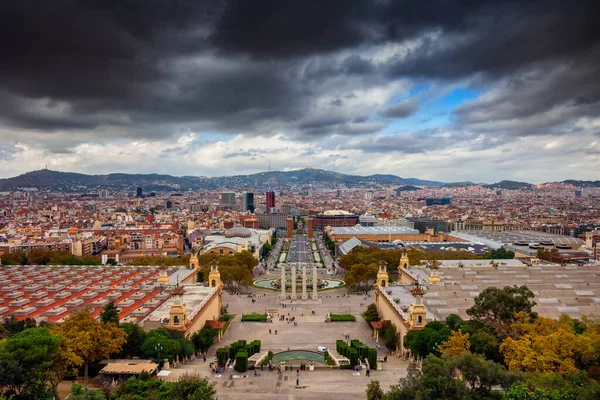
column 257, row 200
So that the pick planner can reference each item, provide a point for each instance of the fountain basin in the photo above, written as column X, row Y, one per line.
column 322, row 284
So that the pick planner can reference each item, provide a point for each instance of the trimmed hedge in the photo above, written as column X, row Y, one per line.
column 338, row 345
column 241, row 362
column 255, row 318
column 342, row 318
column 373, row 358
column 353, row 357
column 222, row 356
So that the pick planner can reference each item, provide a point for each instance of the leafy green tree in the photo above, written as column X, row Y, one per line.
column 135, row 340
column 374, row 391
column 361, row 276
column 79, row 393
column 28, row 358
column 543, row 254
column 172, row 344
column 204, row 339
column 426, row 341
column 464, row 377
column 500, row 254
column 14, row 326
column 110, row 314
column 483, row 340
column 391, row 337
column 555, row 386
column 147, row 388
column 496, row 308
column 372, row 315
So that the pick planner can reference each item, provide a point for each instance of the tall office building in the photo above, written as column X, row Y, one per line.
column 139, row 192
column 248, row 202
column 270, row 202
column 228, row 199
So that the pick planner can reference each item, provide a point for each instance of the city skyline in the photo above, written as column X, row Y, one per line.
column 479, row 92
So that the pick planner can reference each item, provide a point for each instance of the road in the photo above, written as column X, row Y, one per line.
column 299, row 250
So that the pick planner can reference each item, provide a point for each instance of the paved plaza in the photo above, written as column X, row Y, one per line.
column 311, row 331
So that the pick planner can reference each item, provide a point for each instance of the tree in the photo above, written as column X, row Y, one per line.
column 361, row 275
column 78, row 393
column 456, row 344
column 426, row 341
column 546, row 345
column 500, row 254
column 374, row 391
column 496, row 308
column 14, row 326
column 110, row 313
column 537, row 386
column 135, row 340
column 391, row 337
column 204, row 338
column 543, row 254
column 147, row 388
column 371, row 315
column 89, row 339
column 28, row 359
column 464, row 377
column 172, row 344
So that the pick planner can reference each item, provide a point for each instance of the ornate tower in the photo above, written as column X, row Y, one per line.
column 214, row 277
column 194, row 263
column 589, row 240
column 177, row 315
column 416, row 312
column 383, row 279
column 433, row 272
column 404, row 261
column 163, row 278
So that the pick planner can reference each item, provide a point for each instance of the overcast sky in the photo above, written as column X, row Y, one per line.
column 442, row 90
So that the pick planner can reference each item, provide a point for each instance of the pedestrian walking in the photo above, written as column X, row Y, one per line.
column 297, row 381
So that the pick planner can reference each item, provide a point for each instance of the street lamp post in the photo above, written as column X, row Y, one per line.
column 158, row 349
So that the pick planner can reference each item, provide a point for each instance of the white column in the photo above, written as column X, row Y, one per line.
column 282, row 281
column 315, row 296
column 293, row 297
column 304, row 295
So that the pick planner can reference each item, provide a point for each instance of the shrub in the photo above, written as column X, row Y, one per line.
column 222, row 356
column 372, row 357
column 364, row 352
column 255, row 318
column 241, row 362
column 338, row 345
column 353, row 357
column 342, row 318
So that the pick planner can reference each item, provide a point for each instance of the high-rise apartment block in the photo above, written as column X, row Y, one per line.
column 248, row 202
column 228, row 199
column 271, row 202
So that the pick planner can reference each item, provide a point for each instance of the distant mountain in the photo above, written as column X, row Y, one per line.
column 460, row 184
column 509, row 185
column 583, row 183
column 68, row 181
column 408, row 188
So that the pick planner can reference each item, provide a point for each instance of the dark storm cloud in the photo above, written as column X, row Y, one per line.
column 402, row 109
column 145, row 69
